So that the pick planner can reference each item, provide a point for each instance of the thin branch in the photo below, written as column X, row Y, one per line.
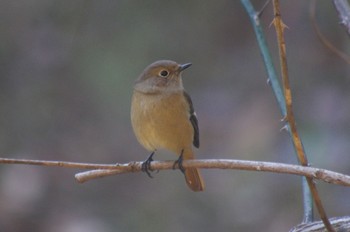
column 57, row 163
column 135, row 166
column 317, row 173
column 266, row 56
column 280, row 26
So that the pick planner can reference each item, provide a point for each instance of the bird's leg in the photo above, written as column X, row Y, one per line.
column 179, row 162
column 146, row 165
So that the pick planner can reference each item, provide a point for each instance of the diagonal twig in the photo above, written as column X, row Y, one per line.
column 279, row 25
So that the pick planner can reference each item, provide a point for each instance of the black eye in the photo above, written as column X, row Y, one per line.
column 164, row 73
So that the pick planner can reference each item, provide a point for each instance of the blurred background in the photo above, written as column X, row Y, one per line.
column 66, row 74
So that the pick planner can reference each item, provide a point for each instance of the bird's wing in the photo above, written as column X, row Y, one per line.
column 194, row 120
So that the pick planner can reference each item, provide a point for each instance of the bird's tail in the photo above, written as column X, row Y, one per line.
column 193, row 177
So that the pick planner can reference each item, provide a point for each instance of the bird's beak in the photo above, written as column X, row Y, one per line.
column 184, row 66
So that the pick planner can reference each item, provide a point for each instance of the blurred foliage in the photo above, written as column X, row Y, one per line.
column 66, row 75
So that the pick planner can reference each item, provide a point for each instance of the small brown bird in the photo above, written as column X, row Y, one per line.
column 162, row 116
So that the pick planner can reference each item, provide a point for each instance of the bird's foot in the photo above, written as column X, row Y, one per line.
column 178, row 162
column 146, row 165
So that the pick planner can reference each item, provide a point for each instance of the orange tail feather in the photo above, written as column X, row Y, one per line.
column 193, row 177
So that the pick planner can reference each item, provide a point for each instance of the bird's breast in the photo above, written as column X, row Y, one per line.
column 161, row 121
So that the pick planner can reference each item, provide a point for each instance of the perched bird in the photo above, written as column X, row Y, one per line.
column 163, row 117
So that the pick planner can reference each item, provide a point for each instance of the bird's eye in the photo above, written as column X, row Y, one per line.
column 164, row 73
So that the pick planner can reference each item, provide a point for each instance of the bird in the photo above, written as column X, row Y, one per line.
column 163, row 117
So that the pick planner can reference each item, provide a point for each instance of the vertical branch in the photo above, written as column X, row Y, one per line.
column 265, row 53
column 280, row 26
column 277, row 90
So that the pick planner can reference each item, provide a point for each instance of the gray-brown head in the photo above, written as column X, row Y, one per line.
column 160, row 76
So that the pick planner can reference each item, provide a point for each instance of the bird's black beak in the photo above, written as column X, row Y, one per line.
column 184, row 66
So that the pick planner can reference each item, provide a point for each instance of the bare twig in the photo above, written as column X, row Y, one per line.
column 57, row 163
column 280, row 26
column 317, row 173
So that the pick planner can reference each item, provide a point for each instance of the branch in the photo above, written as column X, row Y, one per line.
column 266, row 56
column 280, row 26
column 339, row 224
column 57, row 163
column 317, row 173
column 289, row 117
column 135, row 166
